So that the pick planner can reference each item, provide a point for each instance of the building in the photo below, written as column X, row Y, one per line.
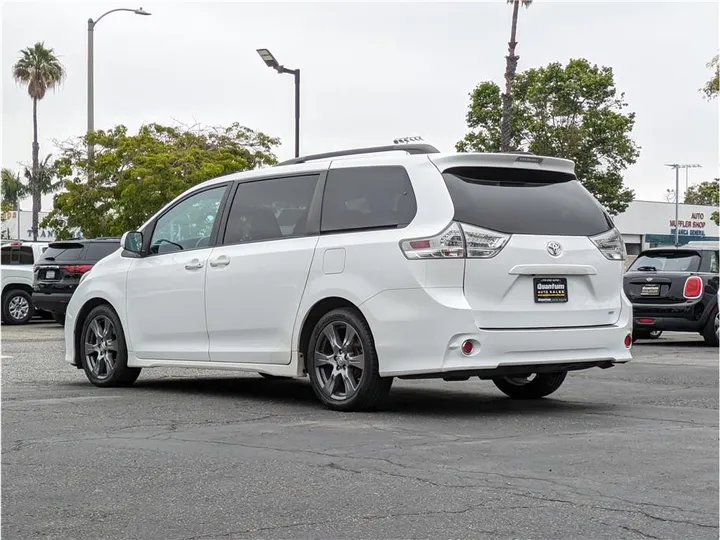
column 648, row 224
column 18, row 226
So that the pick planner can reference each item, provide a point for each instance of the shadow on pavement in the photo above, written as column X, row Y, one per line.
column 426, row 401
column 695, row 343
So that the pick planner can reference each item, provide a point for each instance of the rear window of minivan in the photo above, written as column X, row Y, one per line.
column 523, row 201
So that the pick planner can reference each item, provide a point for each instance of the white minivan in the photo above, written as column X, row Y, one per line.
column 360, row 266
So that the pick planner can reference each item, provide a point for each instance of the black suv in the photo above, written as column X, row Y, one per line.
column 60, row 269
column 675, row 289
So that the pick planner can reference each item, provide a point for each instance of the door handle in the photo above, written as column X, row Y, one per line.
column 220, row 261
column 194, row 265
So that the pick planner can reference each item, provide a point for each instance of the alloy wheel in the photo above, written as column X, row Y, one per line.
column 339, row 360
column 717, row 325
column 101, row 347
column 18, row 307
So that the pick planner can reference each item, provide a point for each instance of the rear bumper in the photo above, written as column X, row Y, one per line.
column 55, row 303
column 421, row 331
column 685, row 317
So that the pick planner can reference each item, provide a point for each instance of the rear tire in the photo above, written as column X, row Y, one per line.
column 17, row 307
column 710, row 332
column 343, row 365
column 640, row 334
column 104, row 352
column 525, row 387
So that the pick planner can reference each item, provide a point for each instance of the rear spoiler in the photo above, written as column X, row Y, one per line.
column 515, row 160
column 67, row 244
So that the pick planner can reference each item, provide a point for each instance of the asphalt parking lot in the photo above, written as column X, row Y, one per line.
column 630, row 452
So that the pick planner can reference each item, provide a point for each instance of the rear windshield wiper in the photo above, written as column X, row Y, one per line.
column 647, row 269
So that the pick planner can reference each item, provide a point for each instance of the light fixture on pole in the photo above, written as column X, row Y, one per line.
column 90, row 74
column 271, row 62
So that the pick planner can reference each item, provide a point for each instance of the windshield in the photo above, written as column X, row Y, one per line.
column 667, row 261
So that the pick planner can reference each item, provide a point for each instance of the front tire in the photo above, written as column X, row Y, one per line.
column 17, row 307
column 343, row 365
column 531, row 386
column 104, row 352
column 710, row 332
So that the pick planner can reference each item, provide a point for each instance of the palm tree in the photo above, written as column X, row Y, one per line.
column 40, row 70
column 510, row 69
column 13, row 190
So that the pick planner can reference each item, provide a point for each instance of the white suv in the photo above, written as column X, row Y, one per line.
column 18, row 259
column 354, row 269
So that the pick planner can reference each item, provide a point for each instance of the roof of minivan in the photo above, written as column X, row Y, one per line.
column 442, row 161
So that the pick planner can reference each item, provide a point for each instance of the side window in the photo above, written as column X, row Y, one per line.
column 270, row 209
column 6, row 257
column 188, row 224
column 359, row 198
column 26, row 255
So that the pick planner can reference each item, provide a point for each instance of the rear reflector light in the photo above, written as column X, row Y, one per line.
column 628, row 341
column 693, row 288
column 611, row 245
column 467, row 347
column 458, row 240
column 646, row 321
column 77, row 268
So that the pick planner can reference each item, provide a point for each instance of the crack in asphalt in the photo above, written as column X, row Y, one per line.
column 632, row 530
column 341, row 519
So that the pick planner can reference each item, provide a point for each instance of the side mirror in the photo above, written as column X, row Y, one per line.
column 132, row 242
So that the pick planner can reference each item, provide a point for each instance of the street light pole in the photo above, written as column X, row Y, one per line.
column 270, row 61
column 677, row 168
column 296, row 73
column 91, row 73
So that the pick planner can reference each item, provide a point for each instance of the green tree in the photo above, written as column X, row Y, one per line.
column 40, row 70
column 511, row 62
column 706, row 194
column 132, row 176
column 572, row 112
column 13, row 190
column 43, row 181
column 712, row 87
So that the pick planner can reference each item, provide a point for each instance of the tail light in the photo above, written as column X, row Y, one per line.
column 693, row 288
column 611, row 245
column 458, row 240
column 77, row 268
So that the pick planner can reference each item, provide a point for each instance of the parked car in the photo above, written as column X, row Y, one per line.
column 60, row 269
column 18, row 258
column 675, row 289
column 410, row 264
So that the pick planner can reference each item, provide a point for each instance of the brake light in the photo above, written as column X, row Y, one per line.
column 611, row 245
column 77, row 268
column 457, row 241
column 693, row 288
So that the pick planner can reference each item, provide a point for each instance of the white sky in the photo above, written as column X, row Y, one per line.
column 371, row 72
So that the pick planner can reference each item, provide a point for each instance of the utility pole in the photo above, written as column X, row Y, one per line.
column 677, row 168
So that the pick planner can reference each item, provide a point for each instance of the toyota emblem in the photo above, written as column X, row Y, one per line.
column 554, row 249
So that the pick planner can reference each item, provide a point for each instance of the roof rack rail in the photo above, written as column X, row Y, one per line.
column 409, row 148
